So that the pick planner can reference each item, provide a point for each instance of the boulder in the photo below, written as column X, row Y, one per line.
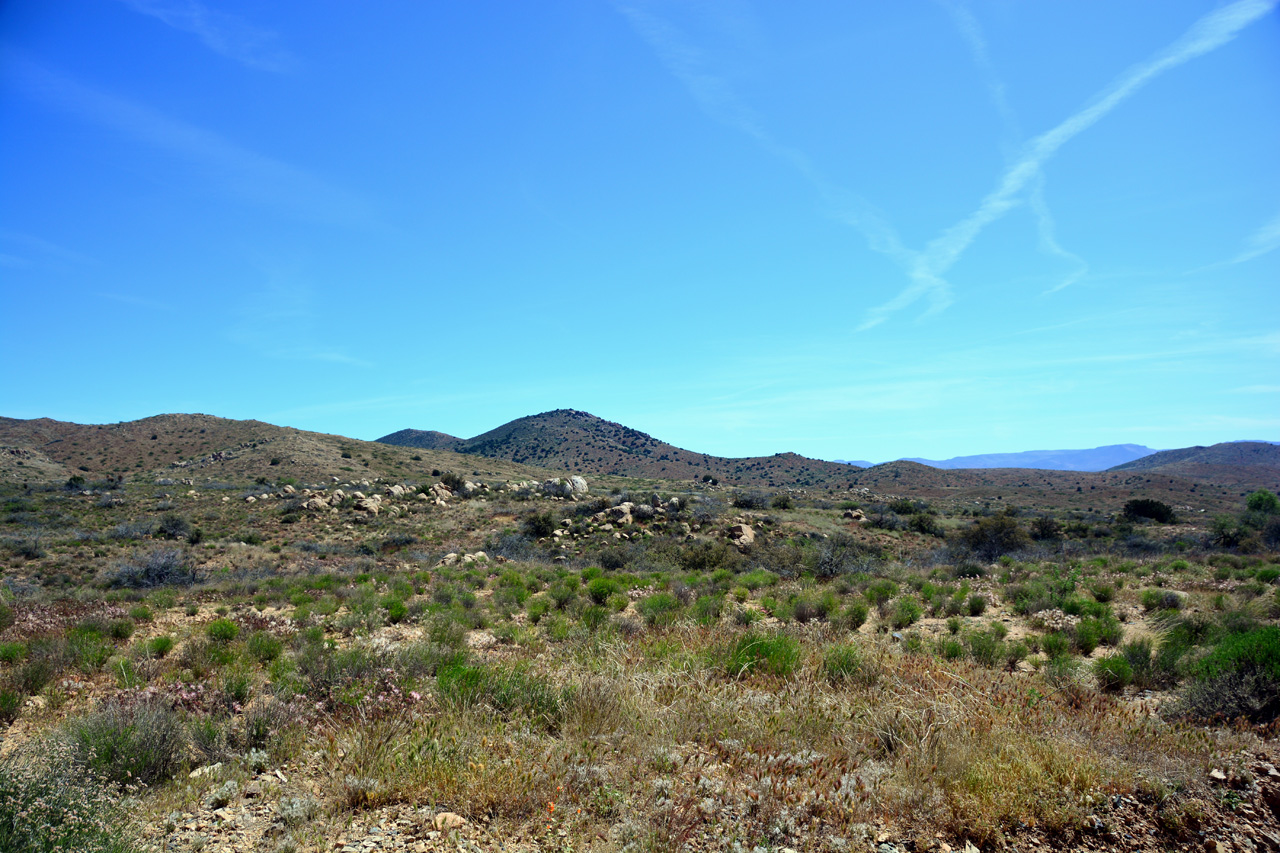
column 742, row 535
column 578, row 485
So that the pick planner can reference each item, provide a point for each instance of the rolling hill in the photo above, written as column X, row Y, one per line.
column 570, row 440
column 1242, row 464
column 203, row 446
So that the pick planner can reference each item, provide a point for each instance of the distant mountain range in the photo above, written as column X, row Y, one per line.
column 1094, row 459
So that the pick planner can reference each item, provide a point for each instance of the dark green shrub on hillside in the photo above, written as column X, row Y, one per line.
column 539, row 525
column 1140, row 508
column 173, row 526
column 991, row 538
column 1264, row 502
column 599, row 589
column 1240, row 678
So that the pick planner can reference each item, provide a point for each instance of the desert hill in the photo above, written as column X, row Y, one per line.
column 1240, row 464
column 570, row 440
column 207, row 447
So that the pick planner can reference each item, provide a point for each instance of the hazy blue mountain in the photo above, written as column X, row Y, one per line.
column 1094, row 459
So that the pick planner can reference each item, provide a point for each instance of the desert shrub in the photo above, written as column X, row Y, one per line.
column 977, row 604
column 10, row 707
column 707, row 609
column 264, row 647
column 222, row 631
column 1161, row 599
column 173, row 526
column 990, row 538
column 1087, row 635
column 539, row 525
column 842, row 663
column 505, row 690
column 1147, row 508
column 1114, row 673
column 1045, row 529
column 926, row 524
column 750, row 500
column 1139, row 654
column 1226, row 531
column 50, row 804
column 127, row 744
column 879, row 592
column 811, row 606
column 906, row 610
column 985, row 647
column 852, row 617
column 659, row 609
column 774, row 654
column 154, row 568
column 757, row 579
column 599, row 589
column 709, row 556
column 160, row 646
column 11, row 653
column 841, row 554
column 1239, row 678
column 782, row 502
column 1263, row 501
column 396, row 609
column 1056, row 645
column 140, row 613
column 6, row 615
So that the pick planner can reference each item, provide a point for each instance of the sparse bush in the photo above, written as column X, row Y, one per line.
column 977, row 604
column 842, row 663
column 155, row 568
column 264, row 647
column 1114, row 673
column 990, row 538
column 50, row 803
column 160, row 646
column 1263, row 501
column 659, row 609
column 1161, row 599
column 173, row 526
column 127, row 744
column 504, row 690
column 906, row 610
column 599, row 589
column 774, row 654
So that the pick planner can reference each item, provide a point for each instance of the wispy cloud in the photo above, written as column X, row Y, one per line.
column 1022, row 179
column 226, row 34
column 47, row 251
column 223, row 164
column 1046, row 229
column 1205, row 35
column 1266, row 239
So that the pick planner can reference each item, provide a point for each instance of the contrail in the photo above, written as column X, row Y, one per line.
column 1208, row 33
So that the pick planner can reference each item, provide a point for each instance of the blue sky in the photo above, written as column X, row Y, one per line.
column 850, row 230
